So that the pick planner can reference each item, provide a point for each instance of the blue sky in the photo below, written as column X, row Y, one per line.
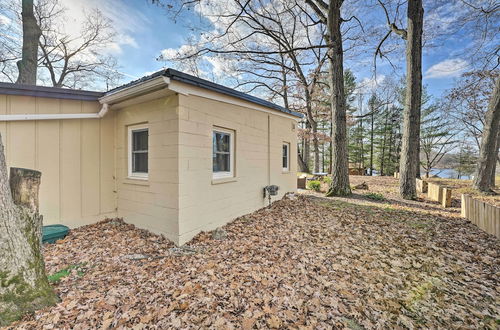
column 146, row 30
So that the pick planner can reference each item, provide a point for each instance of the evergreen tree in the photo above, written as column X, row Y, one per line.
column 465, row 161
column 436, row 137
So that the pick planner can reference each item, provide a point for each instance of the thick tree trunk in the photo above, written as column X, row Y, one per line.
column 302, row 165
column 24, row 286
column 307, row 149
column 408, row 167
column 340, row 163
column 31, row 33
column 494, row 171
column 489, row 149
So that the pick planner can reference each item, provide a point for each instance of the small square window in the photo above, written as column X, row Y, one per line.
column 138, row 147
column 286, row 157
column 222, row 153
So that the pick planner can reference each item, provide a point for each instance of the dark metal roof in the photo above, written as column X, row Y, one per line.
column 202, row 83
column 51, row 92
column 73, row 94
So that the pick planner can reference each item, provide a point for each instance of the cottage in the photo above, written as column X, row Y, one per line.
column 169, row 152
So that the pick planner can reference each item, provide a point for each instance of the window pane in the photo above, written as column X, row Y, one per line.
column 221, row 163
column 139, row 140
column 285, row 156
column 222, row 141
column 140, row 162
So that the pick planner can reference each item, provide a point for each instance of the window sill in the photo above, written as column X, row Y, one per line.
column 224, row 180
column 136, row 180
column 285, row 172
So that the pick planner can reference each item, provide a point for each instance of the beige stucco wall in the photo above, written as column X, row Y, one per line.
column 205, row 204
column 76, row 157
column 153, row 203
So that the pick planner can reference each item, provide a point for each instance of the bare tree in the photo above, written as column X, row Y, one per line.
column 488, row 152
column 410, row 156
column 31, row 33
column 329, row 15
column 64, row 59
column 75, row 61
column 274, row 48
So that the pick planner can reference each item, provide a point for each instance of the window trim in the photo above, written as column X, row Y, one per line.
column 131, row 174
column 287, row 168
column 232, row 155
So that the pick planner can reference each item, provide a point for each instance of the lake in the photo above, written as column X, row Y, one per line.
column 446, row 173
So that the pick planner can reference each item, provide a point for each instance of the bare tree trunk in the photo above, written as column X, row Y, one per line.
column 489, row 148
column 411, row 122
column 307, row 149
column 315, row 147
column 494, row 170
column 302, row 165
column 340, row 163
column 384, row 143
column 31, row 33
column 371, row 144
column 24, row 286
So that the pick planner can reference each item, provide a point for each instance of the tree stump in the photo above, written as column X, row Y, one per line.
column 24, row 286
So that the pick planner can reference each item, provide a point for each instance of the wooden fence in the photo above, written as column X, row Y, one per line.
column 421, row 186
column 439, row 194
column 483, row 215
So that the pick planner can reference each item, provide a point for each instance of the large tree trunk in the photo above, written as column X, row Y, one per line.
column 24, row 286
column 494, row 171
column 411, row 123
column 31, row 33
column 489, row 149
column 302, row 165
column 340, row 163
column 307, row 148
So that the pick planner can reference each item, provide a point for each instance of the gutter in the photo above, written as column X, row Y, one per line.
column 57, row 116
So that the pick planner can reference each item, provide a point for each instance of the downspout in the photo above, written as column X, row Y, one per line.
column 57, row 116
column 268, row 150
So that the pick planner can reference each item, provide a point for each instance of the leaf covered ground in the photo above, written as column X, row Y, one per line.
column 306, row 262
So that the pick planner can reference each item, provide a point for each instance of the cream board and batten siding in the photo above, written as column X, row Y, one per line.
column 152, row 203
column 76, row 157
column 205, row 203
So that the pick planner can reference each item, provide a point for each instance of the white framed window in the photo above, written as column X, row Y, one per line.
column 286, row 157
column 222, row 153
column 138, row 146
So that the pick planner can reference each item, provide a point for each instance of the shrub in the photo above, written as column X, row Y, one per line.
column 327, row 179
column 314, row 185
column 375, row 196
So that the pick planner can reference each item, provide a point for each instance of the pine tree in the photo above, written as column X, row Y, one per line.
column 436, row 137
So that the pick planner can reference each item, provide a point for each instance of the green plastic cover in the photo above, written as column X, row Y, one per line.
column 52, row 233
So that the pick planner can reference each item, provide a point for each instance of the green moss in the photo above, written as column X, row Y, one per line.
column 56, row 277
column 375, row 196
column 19, row 297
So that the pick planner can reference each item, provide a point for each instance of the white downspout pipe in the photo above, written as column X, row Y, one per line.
column 57, row 116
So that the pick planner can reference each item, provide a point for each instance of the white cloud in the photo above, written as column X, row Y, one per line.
column 5, row 20
column 447, row 68
column 125, row 19
column 368, row 85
